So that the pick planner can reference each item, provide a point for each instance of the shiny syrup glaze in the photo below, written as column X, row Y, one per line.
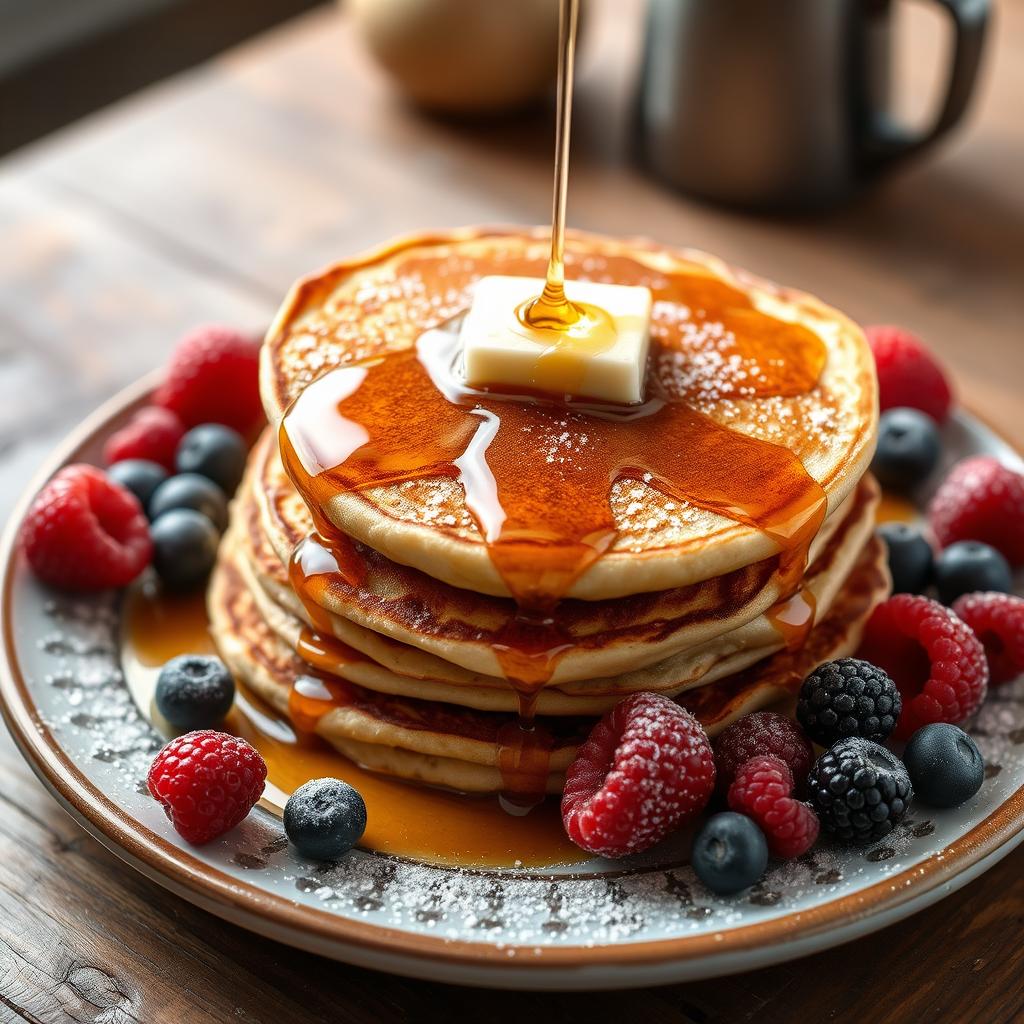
column 542, row 506
column 408, row 416
column 403, row 819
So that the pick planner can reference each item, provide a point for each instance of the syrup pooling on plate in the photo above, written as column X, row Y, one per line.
column 424, row 824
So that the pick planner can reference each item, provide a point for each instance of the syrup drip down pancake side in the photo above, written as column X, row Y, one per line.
column 760, row 419
column 429, row 741
column 409, row 666
column 595, row 639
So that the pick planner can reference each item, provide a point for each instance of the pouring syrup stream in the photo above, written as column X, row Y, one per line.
column 582, row 325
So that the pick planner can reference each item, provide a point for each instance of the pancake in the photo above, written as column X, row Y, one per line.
column 459, row 748
column 419, row 740
column 383, row 302
column 380, row 663
column 603, row 638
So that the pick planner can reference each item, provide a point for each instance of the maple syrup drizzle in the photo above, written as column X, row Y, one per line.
column 325, row 652
column 551, row 309
column 537, row 475
column 581, row 327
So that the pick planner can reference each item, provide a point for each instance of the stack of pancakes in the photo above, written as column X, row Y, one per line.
column 399, row 657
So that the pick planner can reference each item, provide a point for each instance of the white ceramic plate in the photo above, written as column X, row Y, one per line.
column 603, row 926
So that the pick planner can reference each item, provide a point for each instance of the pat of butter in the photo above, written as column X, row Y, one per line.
column 607, row 362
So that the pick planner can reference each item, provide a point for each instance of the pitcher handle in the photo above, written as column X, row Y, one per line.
column 888, row 143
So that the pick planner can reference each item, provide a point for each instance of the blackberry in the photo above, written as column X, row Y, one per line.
column 848, row 697
column 860, row 790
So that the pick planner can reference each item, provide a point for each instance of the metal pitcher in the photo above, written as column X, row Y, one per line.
column 781, row 104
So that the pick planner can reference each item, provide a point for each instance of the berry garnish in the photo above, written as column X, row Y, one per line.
column 207, row 782
column 969, row 566
column 908, row 374
column 140, row 476
column 213, row 377
column 981, row 499
column 908, row 449
column 911, row 558
column 194, row 691
column 764, row 732
column 184, row 548
column 934, row 658
column 214, row 451
column 848, row 697
column 763, row 789
column 997, row 620
column 944, row 764
column 646, row 768
column 85, row 532
column 324, row 818
column 860, row 790
column 190, row 490
column 153, row 434
column 730, row 853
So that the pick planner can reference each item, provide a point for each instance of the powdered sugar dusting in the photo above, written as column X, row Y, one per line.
column 73, row 675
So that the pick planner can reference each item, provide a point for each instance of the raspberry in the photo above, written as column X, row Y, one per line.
column 213, row 377
column 207, row 782
column 85, row 532
column 860, row 790
column 908, row 374
column 764, row 732
column 997, row 620
column 934, row 659
column 981, row 499
column 152, row 434
column 646, row 768
column 848, row 697
column 763, row 790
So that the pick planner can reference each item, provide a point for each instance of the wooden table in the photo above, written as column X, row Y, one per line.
column 201, row 199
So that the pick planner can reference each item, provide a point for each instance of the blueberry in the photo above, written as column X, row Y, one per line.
column 969, row 565
column 945, row 765
column 730, row 853
column 325, row 818
column 194, row 691
column 184, row 548
column 140, row 476
column 190, row 490
column 908, row 448
column 214, row 451
column 911, row 558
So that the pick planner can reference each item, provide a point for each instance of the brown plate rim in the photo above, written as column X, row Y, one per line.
column 245, row 903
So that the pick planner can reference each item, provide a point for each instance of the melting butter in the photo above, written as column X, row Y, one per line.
column 600, row 352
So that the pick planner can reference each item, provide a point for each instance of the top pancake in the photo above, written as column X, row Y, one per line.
column 384, row 301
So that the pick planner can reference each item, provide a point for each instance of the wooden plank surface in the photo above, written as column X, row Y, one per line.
column 201, row 199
